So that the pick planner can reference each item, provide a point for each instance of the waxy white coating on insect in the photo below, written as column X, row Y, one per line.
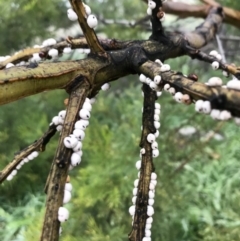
column 80, row 153
column 79, row 134
column 62, row 114
column 53, row 53
column 55, row 120
column 150, row 211
column 63, row 214
column 92, row 21
column 154, row 182
column 14, row 172
column 225, row 115
column 157, row 124
column 213, row 53
column 154, row 145
column 19, row 166
column 72, row 15
column 153, row 85
column 59, row 128
column 172, row 91
column 60, row 120
column 84, row 114
column 178, row 97
column 134, row 199
column 9, row 177
column 157, row 106
column 148, row 81
column 132, row 210
column 149, row 11
column 67, row 50
column 219, row 57
column 9, row 65
column 81, row 124
column 78, row 147
column 67, row 196
column 165, row 68
column 215, row 65
column 92, row 101
column 35, row 58
column 136, row 183
column 233, row 84
column 155, row 153
column 215, row 81
column 142, row 78
column 148, row 233
column 153, row 176
column 139, row 173
column 68, row 186
column 157, row 133
column 156, row 117
column 206, row 107
column 151, row 4
column 35, row 154
column 75, row 159
column 87, row 106
column 157, row 111
column 198, row 105
column 215, row 114
column 151, row 194
column 60, row 231
column 105, row 87
column 25, row 160
column 138, row 164
column 148, row 226
column 158, row 61
column 146, row 239
column 135, row 190
column 159, row 93
column 151, row 186
column 143, row 151
column 70, row 142
column 157, row 79
column 151, row 138
column 87, row 9
column 149, row 220
column 166, row 87
column 49, row 42
column 30, row 157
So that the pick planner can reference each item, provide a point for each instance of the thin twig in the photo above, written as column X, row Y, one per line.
column 38, row 145
column 88, row 32
column 58, row 173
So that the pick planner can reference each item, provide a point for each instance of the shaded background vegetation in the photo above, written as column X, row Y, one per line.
column 198, row 201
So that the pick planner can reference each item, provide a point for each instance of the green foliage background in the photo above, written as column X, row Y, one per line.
column 198, row 202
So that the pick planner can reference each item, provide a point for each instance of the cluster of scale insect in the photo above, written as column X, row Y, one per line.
column 205, row 106
column 74, row 142
column 151, row 138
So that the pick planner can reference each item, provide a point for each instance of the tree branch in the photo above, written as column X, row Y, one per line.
column 38, row 145
column 89, row 33
column 220, row 98
column 140, row 217
column 184, row 10
column 61, row 162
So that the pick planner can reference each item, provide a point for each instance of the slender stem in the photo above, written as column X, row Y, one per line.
column 38, row 145
column 138, row 228
column 61, row 161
